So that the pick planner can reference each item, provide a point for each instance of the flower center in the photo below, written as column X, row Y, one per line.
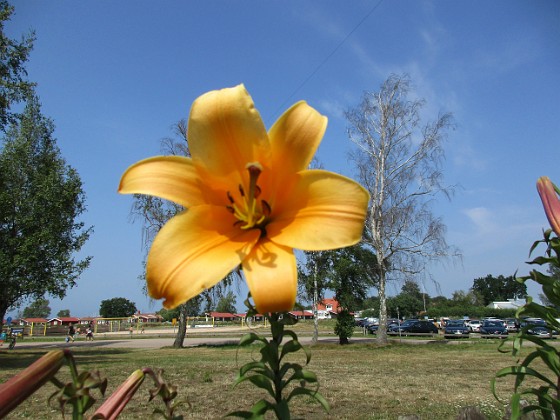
column 248, row 210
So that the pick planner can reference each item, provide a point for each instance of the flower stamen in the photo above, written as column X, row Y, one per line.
column 250, row 213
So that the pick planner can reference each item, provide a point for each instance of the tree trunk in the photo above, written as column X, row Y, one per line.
column 3, row 310
column 315, row 337
column 382, row 330
column 182, row 327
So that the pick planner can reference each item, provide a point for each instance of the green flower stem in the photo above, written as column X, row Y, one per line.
column 272, row 374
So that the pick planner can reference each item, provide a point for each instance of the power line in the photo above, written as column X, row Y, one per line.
column 333, row 52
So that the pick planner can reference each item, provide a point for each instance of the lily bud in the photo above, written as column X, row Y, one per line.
column 118, row 400
column 551, row 203
column 18, row 388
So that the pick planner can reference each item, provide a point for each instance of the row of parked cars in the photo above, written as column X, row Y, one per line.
column 461, row 327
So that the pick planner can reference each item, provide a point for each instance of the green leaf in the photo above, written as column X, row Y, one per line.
column 259, row 381
column 313, row 394
column 251, row 338
column 303, row 375
column 257, row 412
column 287, row 366
column 550, row 357
column 291, row 346
column 251, row 366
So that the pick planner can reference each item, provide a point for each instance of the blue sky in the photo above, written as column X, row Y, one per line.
column 115, row 76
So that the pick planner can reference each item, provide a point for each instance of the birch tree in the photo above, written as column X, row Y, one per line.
column 398, row 159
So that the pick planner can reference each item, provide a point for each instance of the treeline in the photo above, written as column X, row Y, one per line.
column 411, row 302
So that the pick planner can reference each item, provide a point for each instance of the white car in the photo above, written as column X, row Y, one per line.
column 474, row 325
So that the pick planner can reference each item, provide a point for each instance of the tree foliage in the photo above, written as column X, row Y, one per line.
column 226, row 303
column 14, row 86
column 398, row 159
column 39, row 308
column 117, row 308
column 63, row 313
column 498, row 289
column 41, row 200
column 349, row 272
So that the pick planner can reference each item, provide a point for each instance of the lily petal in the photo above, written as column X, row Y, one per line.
column 323, row 211
column 170, row 177
column 225, row 133
column 271, row 274
column 194, row 251
column 295, row 138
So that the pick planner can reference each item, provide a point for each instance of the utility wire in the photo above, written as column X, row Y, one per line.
column 327, row 58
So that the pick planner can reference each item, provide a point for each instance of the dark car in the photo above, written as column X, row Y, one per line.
column 456, row 328
column 537, row 326
column 540, row 331
column 398, row 325
column 416, row 327
column 493, row 327
column 372, row 329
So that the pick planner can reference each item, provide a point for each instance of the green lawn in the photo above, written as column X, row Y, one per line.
column 360, row 381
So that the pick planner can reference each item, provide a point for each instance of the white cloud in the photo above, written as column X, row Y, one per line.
column 482, row 219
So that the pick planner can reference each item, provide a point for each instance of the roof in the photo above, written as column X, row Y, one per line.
column 146, row 316
column 301, row 313
column 222, row 315
column 509, row 304
column 322, row 305
column 65, row 319
column 34, row 320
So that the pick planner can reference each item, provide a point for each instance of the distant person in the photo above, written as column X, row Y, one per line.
column 142, row 330
column 89, row 334
column 71, row 333
column 131, row 330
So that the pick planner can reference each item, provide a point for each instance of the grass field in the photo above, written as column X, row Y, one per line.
column 360, row 381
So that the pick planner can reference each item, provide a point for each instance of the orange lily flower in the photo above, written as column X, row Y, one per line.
column 551, row 203
column 249, row 200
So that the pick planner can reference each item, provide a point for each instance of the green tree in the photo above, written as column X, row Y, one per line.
column 404, row 305
column 398, row 160
column 492, row 289
column 169, row 314
column 39, row 308
column 349, row 272
column 344, row 326
column 63, row 313
column 226, row 303
column 117, row 308
column 14, row 87
column 41, row 199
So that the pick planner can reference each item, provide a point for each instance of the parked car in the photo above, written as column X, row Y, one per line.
column 537, row 326
column 372, row 329
column 540, row 331
column 474, row 325
column 416, row 327
column 398, row 326
column 512, row 324
column 456, row 328
column 493, row 327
